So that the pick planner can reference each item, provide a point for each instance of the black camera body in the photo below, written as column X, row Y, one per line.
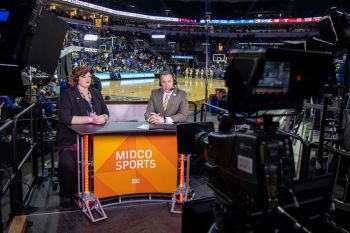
column 238, row 163
column 252, row 173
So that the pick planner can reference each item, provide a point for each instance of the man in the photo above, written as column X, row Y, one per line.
column 167, row 104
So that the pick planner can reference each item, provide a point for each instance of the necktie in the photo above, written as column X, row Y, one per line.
column 165, row 102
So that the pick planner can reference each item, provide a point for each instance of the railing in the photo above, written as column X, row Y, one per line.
column 204, row 110
column 302, row 154
column 14, row 182
column 334, row 165
column 194, row 110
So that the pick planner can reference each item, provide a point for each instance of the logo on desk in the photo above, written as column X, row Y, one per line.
column 134, row 159
column 135, row 181
column 134, row 164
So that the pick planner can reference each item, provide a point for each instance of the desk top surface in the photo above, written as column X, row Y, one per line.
column 117, row 128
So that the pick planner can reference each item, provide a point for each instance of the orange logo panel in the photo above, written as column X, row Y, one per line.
column 129, row 164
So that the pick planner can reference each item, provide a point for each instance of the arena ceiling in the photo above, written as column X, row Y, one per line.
column 225, row 9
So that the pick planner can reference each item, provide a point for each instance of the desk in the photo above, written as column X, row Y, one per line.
column 126, row 160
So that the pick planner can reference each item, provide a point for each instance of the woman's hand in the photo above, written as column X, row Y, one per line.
column 99, row 120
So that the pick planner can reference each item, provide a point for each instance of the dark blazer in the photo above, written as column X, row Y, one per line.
column 177, row 107
column 72, row 104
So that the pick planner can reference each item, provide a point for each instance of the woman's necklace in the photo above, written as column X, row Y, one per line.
column 86, row 97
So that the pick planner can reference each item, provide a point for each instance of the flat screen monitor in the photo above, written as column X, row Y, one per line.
column 275, row 78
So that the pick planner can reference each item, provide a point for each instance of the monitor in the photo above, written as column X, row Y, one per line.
column 275, row 78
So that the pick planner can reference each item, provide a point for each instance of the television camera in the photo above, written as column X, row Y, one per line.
column 252, row 173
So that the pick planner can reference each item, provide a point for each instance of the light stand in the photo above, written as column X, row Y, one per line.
column 206, row 49
column 344, row 91
column 30, row 99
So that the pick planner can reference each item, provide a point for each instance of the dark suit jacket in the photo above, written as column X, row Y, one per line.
column 72, row 104
column 177, row 107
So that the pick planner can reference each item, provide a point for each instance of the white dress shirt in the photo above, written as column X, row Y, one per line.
column 169, row 120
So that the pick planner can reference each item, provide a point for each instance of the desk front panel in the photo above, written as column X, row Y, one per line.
column 130, row 164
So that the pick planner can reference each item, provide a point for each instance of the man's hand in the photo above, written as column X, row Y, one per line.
column 156, row 118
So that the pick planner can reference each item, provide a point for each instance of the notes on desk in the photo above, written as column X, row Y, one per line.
column 144, row 126
column 157, row 126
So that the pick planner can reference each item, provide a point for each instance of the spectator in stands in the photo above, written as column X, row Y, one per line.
column 79, row 104
column 48, row 110
column 7, row 101
column 167, row 104
column 47, row 105
column 9, row 109
column 96, row 82
column 52, row 87
column 63, row 85
column 341, row 71
column 27, row 100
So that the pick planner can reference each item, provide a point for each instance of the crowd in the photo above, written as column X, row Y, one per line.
column 137, row 52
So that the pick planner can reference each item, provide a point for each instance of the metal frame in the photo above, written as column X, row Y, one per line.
column 183, row 188
column 89, row 204
column 18, row 200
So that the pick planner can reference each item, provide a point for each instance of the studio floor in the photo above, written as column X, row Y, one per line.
column 140, row 216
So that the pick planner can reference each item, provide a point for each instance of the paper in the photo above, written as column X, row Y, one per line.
column 144, row 126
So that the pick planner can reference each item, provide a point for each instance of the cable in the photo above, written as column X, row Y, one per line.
column 18, row 180
column 296, row 225
column 295, row 200
column 9, row 177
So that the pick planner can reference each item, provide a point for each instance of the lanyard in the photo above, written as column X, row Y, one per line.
column 89, row 101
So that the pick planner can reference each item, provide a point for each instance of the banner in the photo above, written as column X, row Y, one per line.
column 127, row 75
column 130, row 164
column 262, row 21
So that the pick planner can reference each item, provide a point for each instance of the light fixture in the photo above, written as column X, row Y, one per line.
column 90, row 37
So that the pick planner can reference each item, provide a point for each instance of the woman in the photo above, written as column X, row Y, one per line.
column 79, row 104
